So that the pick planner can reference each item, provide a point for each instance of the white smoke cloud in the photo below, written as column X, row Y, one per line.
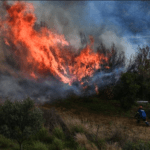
column 59, row 19
column 110, row 37
column 65, row 17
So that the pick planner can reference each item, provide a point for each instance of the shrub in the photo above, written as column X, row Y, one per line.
column 142, row 146
column 43, row 136
column 128, row 146
column 126, row 91
column 133, row 146
column 119, row 136
column 127, row 102
column 59, row 144
column 38, row 146
column 71, row 143
column 77, row 129
column 6, row 143
column 59, row 133
column 19, row 120
column 81, row 148
column 101, row 143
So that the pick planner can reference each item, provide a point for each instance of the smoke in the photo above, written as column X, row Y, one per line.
column 59, row 18
column 66, row 18
column 73, row 18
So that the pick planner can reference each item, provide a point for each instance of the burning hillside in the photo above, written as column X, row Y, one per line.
column 42, row 63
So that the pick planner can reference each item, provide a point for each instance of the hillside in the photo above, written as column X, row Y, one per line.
column 86, row 124
column 115, row 125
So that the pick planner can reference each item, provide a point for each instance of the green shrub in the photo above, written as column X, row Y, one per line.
column 19, row 120
column 43, row 136
column 141, row 146
column 52, row 146
column 127, row 102
column 126, row 91
column 6, row 143
column 136, row 146
column 71, row 143
column 148, row 144
column 28, row 144
column 77, row 129
column 58, row 132
column 39, row 146
column 128, row 146
column 101, row 143
column 36, row 145
column 81, row 148
column 58, row 144
column 65, row 145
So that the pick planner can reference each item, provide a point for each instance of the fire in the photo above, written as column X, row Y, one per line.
column 6, row 42
column 96, row 89
column 107, row 67
column 33, row 75
column 85, row 87
column 44, row 52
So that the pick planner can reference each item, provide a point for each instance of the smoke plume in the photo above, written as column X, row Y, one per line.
column 20, row 72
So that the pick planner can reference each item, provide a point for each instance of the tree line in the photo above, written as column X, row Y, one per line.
column 134, row 84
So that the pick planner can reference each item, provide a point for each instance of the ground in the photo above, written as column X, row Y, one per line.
column 107, row 121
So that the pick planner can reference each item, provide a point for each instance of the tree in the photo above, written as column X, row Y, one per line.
column 141, row 65
column 127, row 89
column 116, row 58
column 20, row 119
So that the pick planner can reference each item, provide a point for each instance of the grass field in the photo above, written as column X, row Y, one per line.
column 94, row 124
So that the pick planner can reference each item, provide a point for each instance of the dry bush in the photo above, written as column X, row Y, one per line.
column 53, row 119
column 113, row 146
column 83, row 141
column 90, row 128
column 118, row 135
column 71, row 121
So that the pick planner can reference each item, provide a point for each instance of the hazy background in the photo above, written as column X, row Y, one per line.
column 124, row 23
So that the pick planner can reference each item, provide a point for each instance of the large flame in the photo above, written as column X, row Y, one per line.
column 45, row 52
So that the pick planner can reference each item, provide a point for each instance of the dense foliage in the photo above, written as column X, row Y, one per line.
column 19, row 120
column 135, row 83
column 127, row 89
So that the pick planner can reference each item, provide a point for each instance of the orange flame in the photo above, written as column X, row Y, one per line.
column 44, row 52
column 85, row 87
column 6, row 42
column 33, row 75
column 107, row 67
column 96, row 89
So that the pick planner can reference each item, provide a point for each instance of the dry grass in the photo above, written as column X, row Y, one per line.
column 113, row 146
column 116, row 131
column 121, row 128
column 83, row 141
